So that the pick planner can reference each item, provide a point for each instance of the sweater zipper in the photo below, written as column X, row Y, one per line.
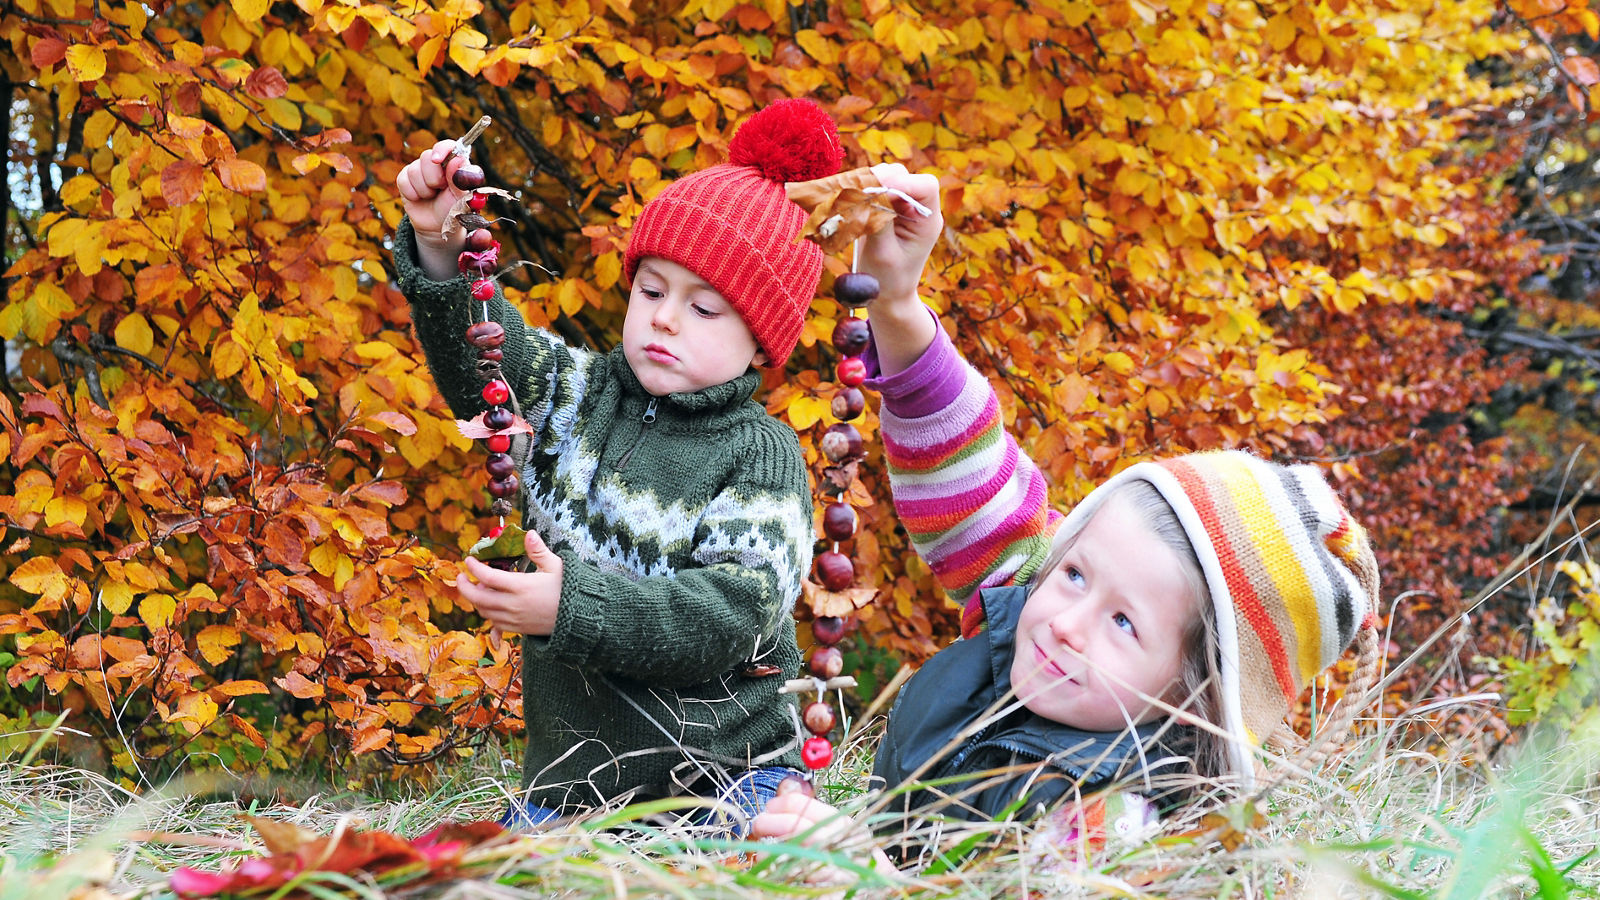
column 648, row 417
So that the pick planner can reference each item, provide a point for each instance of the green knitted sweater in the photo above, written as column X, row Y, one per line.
column 684, row 525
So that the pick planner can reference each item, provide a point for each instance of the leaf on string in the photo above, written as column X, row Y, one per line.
column 474, row 429
column 452, row 223
column 836, row 603
column 840, row 208
column 509, row 545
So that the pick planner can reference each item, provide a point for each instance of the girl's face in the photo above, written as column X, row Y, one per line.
column 680, row 334
column 1105, row 625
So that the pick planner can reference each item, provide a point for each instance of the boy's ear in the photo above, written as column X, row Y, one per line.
column 760, row 359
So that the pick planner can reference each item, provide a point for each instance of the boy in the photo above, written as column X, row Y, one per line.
column 669, row 516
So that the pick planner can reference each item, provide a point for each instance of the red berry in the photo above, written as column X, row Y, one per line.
column 839, row 521
column 840, row 442
column 499, row 465
column 499, row 443
column 825, row 662
column 498, row 418
column 496, row 531
column 469, row 177
column 819, row 718
column 503, row 487
column 849, row 403
column 828, row 630
column 851, row 336
column 486, row 334
column 483, row 289
column 795, row 784
column 478, row 202
column 817, row 753
column 852, row 371
column 479, row 240
column 835, row 570
column 855, row 289
column 496, row 393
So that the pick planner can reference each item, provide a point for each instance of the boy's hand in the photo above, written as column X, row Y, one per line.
column 426, row 189
column 816, row 824
column 516, row 602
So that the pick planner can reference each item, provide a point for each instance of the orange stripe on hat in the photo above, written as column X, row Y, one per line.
column 1245, row 599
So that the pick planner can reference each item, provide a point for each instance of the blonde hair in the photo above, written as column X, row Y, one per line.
column 1198, row 678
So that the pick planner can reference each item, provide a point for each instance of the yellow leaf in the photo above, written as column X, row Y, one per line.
column 133, row 333
column 117, row 596
column 37, row 575
column 156, row 610
column 607, row 270
column 250, row 10
column 63, row 510
column 86, row 62
column 1118, row 362
column 195, row 712
column 227, row 358
column 375, row 350
column 214, row 642
column 806, row 411
column 642, row 169
column 79, row 187
column 1280, row 32
column 817, row 47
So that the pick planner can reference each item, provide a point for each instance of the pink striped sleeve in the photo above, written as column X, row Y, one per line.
column 976, row 507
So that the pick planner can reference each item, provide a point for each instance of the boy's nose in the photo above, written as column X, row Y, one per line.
column 665, row 317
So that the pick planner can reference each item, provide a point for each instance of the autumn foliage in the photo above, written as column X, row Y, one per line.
column 234, row 502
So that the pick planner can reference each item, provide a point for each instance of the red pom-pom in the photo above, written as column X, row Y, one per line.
column 791, row 140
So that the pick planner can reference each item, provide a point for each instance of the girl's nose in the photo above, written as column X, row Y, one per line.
column 1068, row 627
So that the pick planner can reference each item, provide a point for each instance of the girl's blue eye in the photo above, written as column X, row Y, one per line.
column 1123, row 622
column 1073, row 575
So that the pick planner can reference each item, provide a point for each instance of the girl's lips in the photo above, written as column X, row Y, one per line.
column 1048, row 667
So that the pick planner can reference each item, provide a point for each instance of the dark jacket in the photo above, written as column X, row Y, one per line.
column 955, row 690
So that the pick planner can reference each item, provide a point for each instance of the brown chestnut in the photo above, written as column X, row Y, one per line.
column 818, row 717
column 855, row 289
column 470, row 177
column 479, row 240
column 839, row 521
column 850, row 336
column 828, row 630
column 503, row 487
column 485, row 335
column 499, row 465
column 835, row 570
column 840, row 442
column 848, row 403
column 499, row 417
column 826, row 662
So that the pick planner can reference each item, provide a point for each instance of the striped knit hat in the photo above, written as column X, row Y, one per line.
column 1291, row 576
column 734, row 225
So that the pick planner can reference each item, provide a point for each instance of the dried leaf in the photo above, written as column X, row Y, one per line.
column 839, row 208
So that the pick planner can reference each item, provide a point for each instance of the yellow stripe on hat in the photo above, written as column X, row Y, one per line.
column 1276, row 548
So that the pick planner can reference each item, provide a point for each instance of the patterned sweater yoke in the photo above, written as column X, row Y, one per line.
column 684, row 527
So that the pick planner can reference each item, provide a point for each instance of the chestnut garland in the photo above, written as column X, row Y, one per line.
column 477, row 262
column 841, row 444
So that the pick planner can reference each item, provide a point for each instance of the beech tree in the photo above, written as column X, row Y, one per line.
column 234, row 503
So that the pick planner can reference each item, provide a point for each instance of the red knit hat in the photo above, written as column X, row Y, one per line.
column 733, row 225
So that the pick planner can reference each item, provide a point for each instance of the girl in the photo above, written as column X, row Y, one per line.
column 1163, row 627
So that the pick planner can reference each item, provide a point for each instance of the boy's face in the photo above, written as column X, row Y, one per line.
column 681, row 335
column 1117, row 605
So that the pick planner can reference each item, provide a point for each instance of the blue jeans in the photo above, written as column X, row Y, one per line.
column 741, row 802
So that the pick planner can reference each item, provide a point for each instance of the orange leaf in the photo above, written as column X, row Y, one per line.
column 48, row 51
column 181, row 182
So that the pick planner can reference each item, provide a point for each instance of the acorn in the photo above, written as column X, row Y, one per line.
column 855, row 289
column 479, row 240
column 499, row 465
column 819, row 718
column 851, row 336
column 849, row 403
column 470, row 177
column 499, row 417
column 503, row 487
column 828, row 630
column 839, row 521
column 826, row 662
column 840, row 442
column 835, row 570
column 486, row 334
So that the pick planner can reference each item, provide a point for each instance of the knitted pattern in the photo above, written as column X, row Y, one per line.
column 684, row 542
column 733, row 225
column 1291, row 575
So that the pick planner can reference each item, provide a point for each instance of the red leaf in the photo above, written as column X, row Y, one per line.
column 181, row 182
column 266, row 83
column 48, row 51
column 1583, row 69
column 241, row 176
column 400, row 422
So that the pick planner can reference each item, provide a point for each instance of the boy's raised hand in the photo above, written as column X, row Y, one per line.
column 428, row 195
column 516, row 602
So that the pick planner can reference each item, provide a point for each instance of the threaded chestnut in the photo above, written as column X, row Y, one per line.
column 470, row 177
column 498, row 418
column 479, row 240
column 819, row 718
column 840, row 442
column 503, row 487
column 855, row 289
column 848, row 403
column 850, row 336
column 839, row 521
column 499, row 465
column 835, row 570
column 828, row 630
column 826, row 662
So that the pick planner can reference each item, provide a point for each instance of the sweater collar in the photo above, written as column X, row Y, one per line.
column 711, row 399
